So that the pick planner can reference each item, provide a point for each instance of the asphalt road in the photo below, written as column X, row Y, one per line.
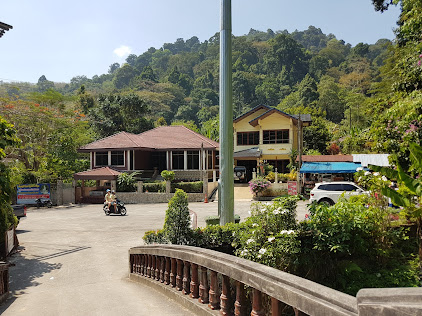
column 74, row 261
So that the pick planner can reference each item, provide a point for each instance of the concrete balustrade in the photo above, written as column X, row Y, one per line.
column 209, row 277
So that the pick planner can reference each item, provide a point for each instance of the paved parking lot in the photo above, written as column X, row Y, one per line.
column 74, row 261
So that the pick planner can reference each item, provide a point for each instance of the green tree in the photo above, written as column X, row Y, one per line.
column 316, row 136
column 117, row 113
column 124, row 75
column 177, row 220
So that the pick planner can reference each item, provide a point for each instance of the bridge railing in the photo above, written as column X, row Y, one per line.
column 197, row 271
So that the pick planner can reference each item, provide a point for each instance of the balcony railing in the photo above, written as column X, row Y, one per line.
column 210, row 277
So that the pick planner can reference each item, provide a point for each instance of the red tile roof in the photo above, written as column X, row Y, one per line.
column 327, row 158
column 104, row 173
column 159, row 138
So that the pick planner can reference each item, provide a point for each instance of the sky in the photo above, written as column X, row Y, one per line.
column 64, row 39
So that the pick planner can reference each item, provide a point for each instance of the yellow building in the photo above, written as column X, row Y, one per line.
column 266, row 135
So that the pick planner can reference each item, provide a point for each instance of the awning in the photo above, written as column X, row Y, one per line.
column 104, row 173
column 248, row 153
column 329, row 167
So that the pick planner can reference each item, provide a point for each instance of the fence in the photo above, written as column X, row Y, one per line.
column 203, row 274
column 4, row 281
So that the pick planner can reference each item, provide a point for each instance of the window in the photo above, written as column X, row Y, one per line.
column 101, row 158
column 248, row 138
column 117, row 158
column 178, row 160
column 193, row 159
column 276, row 137
column 349, row 187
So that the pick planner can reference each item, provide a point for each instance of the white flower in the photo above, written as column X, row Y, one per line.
column 376, row 174
column 244, row 252
column 259, row 256
column 359, row 169
column 249, row 241
column 367, row 173
column 384, row 178
column 262, row 251
column 284, row 211
column 276, row 212
column 271, row 239
column 255, row 225
column 287, row 232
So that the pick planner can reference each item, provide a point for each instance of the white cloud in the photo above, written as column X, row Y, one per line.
column 122, row 51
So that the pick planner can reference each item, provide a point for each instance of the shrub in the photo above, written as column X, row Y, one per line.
column 155, row 187
column 258, row 185
column 270, row 177
column 177, row 222
column 167, row 175
column 268, row 236
column 155, row 237
column 189, row 187
column 126, row 182
column 351, row 245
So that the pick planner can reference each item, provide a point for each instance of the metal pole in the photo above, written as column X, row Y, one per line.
column 299, row 145
column 226, row 192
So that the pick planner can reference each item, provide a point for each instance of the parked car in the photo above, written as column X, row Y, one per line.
column 240, row 174
column 19, row 210
column 329, row 192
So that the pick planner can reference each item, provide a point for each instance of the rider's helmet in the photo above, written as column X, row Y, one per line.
column 112, row 191
column 108, row 190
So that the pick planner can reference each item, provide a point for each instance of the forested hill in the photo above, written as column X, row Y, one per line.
column 302, row 72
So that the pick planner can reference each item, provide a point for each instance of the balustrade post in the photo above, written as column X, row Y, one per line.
column 149, row 267
column 203, row 287
column 275, row 307
column 162, row 268
column 257, row 303
column 239, row 305
column 154, row 262
column 142, row 267
column 137, row 264
column 179, row 276
column 132, row 259
column 157, row 267
column 214, row 296
column 173, row 272
column 145, row 265
column 225, row 299
column 167, row 272
column 186, row 278
column 194, row 286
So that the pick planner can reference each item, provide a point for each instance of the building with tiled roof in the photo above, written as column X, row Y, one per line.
column 266, row 134
column 162, row 148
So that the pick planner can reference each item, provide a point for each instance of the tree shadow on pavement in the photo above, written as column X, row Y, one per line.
column 26, row 270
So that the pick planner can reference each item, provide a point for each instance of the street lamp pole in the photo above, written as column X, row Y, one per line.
column 226, row 189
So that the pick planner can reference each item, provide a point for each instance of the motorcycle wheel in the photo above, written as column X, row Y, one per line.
column 105, row 209
column 39, row 204
column 123, row 211
column 49, row 204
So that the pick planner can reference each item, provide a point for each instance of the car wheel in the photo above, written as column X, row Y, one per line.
column 326, row 201
column 123, row 211
column 238, row 174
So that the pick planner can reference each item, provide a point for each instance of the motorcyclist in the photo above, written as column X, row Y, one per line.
column 108, row 198
column 114, row 200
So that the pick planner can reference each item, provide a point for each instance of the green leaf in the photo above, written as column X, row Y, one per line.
column 416, row 156
column 388, row 172
column 412, row 184
column 395, row 197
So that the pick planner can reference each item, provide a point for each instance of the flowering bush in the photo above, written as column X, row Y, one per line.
column 258, row 185
column 268, row 236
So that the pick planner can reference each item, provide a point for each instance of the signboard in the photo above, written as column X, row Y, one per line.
column 28, row 193
column 292, row 187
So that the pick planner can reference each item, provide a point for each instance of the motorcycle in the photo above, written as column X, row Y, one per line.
column 43, row 202
column 119, row 205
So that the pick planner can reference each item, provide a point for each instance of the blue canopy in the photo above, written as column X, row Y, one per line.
column 329, row 167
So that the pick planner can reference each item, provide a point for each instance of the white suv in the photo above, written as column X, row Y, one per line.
column 329, row 192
